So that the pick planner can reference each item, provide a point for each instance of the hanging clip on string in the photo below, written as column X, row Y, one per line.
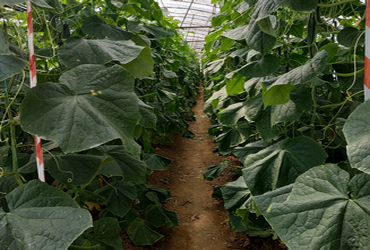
column 33, row 82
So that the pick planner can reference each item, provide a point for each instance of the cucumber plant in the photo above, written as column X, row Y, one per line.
column 115, row 78
column 284, row 88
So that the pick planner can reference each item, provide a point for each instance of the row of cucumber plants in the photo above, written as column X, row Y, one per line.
column 115, row 79
column 284, row 89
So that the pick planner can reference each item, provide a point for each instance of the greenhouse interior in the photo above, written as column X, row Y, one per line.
column 184, row 124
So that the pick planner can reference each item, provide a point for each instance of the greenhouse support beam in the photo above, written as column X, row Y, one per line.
column 33, row 82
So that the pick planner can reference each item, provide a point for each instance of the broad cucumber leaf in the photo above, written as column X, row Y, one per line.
column 4, row 44
column 75, row 169
column 302, row 5
column 265, row 7
column 356, row 131
column 125, row 165
column 41, row 217
column 279, row 195
column 157, row 215
column 276, row 95
column 96, row 27
column 10, row 65
column 235, row 85
column 142, row 233
column 279, row 92
column 235, row 194
column 107, row 233
column 300, row 100
column 264, row 125
column 348, row 37
column 39, row 3
column 119, row 195
column 214, row 66
column 80, row 51
column 332, row 49
column 231, row 115
column 251, row 148
column 259, row 40
column 91, row 105
column 238, row 33
column 156, row 162
column 325, row 210
column 306, row 72
column 266, row 26
column 215, row 170
column 266, row 66
column 148, row 119
column 234, row 137
column 280, row 164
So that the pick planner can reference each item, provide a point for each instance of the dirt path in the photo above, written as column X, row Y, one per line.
column 203, row 220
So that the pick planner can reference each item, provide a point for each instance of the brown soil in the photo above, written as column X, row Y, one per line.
column 203, row 220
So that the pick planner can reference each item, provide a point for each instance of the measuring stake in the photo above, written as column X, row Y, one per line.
column 367, row 52
column 33, row 82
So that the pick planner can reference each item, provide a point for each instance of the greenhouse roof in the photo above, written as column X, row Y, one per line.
column 194, row 17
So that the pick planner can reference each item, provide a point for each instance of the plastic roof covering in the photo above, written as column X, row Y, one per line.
column 194, row 17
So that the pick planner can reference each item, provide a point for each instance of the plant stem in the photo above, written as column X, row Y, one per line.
column 348, row 74
column 335, row 4
column 313, row 108
column 12, row 136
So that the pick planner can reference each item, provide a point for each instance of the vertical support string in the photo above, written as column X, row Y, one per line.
column 33, row 83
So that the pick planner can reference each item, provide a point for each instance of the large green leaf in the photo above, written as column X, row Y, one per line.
column 259, row 40
column 306, row 72
column 235, row 193
column 148, row 119
column 41, row 217
column 276, row 95
column 302, row 5
column 280, row 164
column 348, row 37
column 124, row 164
column 4, row 44
column 157, row 215
column 156, row 162
column 233, row 137
column 264, row 67
column 91, row 105
column 356, row 130
column 107, row 233
column 235, row 85
column 142, row 233
column 75, row 169
column 40, row 3
column 119, row 195
column 279, row 92
column 325, row 210
column 79, row 51
column 10, row 65
column 214, row 171
column 96, row 27
column 265, row 7
column 238, row 33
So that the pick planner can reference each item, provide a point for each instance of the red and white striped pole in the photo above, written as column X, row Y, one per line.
column 33, row 82
column 367, row 53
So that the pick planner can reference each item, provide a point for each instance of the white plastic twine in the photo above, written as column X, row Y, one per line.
column 33, row 82
column 367, row 53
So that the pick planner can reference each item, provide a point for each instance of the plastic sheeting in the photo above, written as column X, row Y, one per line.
column 194, row 17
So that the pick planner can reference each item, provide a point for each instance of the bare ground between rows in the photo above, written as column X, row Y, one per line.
column 203, row 220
